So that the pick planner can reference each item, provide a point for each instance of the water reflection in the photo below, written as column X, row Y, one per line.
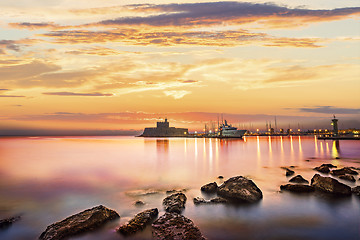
column 336, row 149
column 162, row 146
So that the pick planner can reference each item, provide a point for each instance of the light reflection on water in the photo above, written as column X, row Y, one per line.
column 48, row 179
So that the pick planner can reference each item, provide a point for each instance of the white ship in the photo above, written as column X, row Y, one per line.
column 228, row 131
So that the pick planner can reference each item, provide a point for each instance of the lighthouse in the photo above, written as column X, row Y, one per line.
column 335, row 126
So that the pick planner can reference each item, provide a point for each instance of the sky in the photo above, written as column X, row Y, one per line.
column 106, row 66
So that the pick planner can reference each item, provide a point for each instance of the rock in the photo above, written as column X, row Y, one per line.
column 7, row 222
column 299, row 188
column 175, row 202
column 343, row 171
column 175, row 226
column 289, row 172
column 210, row 187
column 220, row 177
column 240, row 189
column 347, row 178
column 329, row 165
column 175, row 191
column 322, row 169
column 139, row 203
column 298, row 179
column 200, row 200
column 84, row 221
column 330, row 185
column 139, row 222
column 356, row 190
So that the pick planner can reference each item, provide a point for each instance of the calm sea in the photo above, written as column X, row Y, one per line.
column 46, row 179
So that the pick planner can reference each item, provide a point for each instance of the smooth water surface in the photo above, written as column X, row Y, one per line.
column 46, row 179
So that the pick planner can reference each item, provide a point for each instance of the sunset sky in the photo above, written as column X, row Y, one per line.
column 120, row 65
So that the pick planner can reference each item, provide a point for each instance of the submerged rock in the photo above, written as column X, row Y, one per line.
column 347, row 178
column 240, row 189
column 7, row 222
column 175, row 226
column 139, row 203
column 298, row 179
column 322, row 169
column 299, row 188
column 139, row 222
column 289, row 172
column 343, row 171
column 84, row 221
column 175, row 202
column 330, row 185
column 356, row 190
column 200, row 200
column 210, row 187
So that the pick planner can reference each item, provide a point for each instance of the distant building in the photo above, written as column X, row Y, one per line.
column 164, row 130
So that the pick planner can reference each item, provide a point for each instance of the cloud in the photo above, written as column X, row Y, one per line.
column 217, row 13
column 35, row 26
column 331, row 110
column 10, row 96
column 95, row 94
column 176, row 94
column 171, row 37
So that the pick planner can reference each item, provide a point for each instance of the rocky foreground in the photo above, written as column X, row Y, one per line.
column 173, row 225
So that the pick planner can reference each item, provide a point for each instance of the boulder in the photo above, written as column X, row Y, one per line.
column 356, row 190
column 7, row 222
column 289, row 172
column 240, row 189
column 298, row 188
column 220, row 177
column 298, row 179
column 200, row 200
column 175, row 202
column 84, row 221
column 343, row 171
column 139, row 222
column 330, row 185
column 175, row 226
column 322, row 169
column 347, row 178
column 210, row 187
column 329, row 165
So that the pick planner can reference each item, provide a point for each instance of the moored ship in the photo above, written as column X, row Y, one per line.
column 228, row 131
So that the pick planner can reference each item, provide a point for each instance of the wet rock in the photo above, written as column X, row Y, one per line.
column 210, row 187
column 289, row 172
column 139, row 203
column 330, row 185
column 7, row 222
column 322, row 169
column 356, row 190
column 175, row 202
column 347, row 178
column 84, row 221
column 329, row 165
column 240, row 189
column 299, row 188
column 175, row 191
column 139, row 222
column 220, row 177
column 200, row 200
column 175, row 226
column 343, row 171
column 298, row 179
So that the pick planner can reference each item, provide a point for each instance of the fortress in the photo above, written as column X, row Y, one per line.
column 164, row 130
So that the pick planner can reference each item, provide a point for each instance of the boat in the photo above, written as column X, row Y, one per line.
column 228, row 131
